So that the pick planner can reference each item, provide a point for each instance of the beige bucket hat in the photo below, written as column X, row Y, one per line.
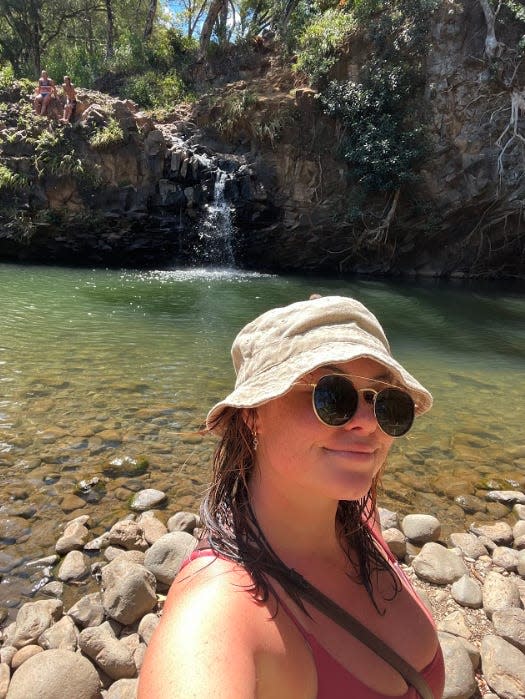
column 282, row 345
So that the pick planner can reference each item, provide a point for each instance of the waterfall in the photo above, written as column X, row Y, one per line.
column 216, row 230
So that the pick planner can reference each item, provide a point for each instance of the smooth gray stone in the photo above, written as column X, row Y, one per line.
column 521, row 563
column 507, row 497
column 499, row 592
column 510, row 625
column 505, row 558
column 147, row 499
column 420, row 529
column 128, row 535
column 110, row 654
column 388, row 518
column 74, row 567
column 455, row 624
column 396, row 542
column 5, row 676
column 147, row 626
column 167, row 554
column 55, row 588
column 63, row 634
column 518, row 529
column 499, row 532
column 436, row 564
column 123, row 689
column 183, row 522
column 519, row 511
column 467, row 592
column 469, row 544
column 128, row 590
column 74, row 537
column 503, row 667
column 33, row 619
column 55, row 674
column 88, row 611
column 152, row 527
column 24, row 654
column 460, row 681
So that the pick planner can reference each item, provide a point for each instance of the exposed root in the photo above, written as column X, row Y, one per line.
column 517, row 107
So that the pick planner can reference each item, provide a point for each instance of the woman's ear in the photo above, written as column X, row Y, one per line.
column 251, row 419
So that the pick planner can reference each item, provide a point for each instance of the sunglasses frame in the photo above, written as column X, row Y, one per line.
column 371, row 399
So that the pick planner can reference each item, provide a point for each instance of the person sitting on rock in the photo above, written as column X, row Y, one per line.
column 71, row 100
column 44, row 91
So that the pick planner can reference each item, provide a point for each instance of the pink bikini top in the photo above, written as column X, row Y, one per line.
column 333, row 680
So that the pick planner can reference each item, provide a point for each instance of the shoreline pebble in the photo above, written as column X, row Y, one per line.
column 474, row 584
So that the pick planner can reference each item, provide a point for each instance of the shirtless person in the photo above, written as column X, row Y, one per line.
column 44, row 91
column 71, row 100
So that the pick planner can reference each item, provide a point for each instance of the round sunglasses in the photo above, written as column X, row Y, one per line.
column 335, row 400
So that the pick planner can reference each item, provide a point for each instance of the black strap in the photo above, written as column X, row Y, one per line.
column 341, row 617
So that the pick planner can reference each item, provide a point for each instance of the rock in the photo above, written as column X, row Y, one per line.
column 420, row 529
column 74, row 537
column 167, row 554
column 74, row 567
column 507, row 497
column 499, row 593
column 505, row 558
column 153, row 528
column 113, row 552
column 396, row 542
column 460, row 681
column 518, row 529
column 72, row 502
column 147, row 626
column 503, row 667
column 147, row 499
column 33, row 619
column 519, row 511
column 123, row 689
column 55, row 674
column 500, row 532
column 128, row 535
column 63, row 634
column 88, row 611
column 7, row 653
column 110, row 654
column 183, row 522
column 5, row 676
column 455, row 624
column 128, row 590
column 436, row 564
column 53, row 589
column 521, row 563
column 14, row 529
column 510, row 625
column 469, row 545
column 388, row 518
column 98, row 543
column 24, row 654
column 467, row 592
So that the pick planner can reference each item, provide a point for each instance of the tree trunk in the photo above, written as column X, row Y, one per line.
column 492, row 45
column 110, row 48
column 207, row 27
column 35, row 35
column 152, row 11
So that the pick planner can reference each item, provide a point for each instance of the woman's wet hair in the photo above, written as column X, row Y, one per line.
column 230, row 527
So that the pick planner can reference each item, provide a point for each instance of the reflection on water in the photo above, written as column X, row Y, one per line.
column 103, row 364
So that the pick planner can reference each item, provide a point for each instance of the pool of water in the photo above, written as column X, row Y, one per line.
column 100, row 365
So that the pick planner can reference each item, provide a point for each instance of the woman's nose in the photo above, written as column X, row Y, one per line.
column 364, row 418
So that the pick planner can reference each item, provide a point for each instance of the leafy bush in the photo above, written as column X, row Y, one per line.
column 7, row 76
column 234, row 108
column 109, row 135
column 153, row 90
column 321, row 42
column 9, row 180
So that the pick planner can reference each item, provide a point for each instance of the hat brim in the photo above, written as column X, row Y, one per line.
column 277, row 380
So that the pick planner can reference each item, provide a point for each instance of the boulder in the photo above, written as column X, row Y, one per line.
column 111, row 655
column 128, row 590
column 499, row 592
column 420, row 529
column 503, row 667
column 438, row 565
column 167, row 554
column 33, row 619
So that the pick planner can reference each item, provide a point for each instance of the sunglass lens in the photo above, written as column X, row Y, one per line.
column 394, row 411
column 335, row 400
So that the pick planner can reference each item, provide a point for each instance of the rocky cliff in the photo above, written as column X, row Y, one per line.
column 141, row 191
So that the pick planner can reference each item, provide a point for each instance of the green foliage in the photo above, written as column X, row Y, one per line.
column 321, row 42
column 109, row 135
column 7, row 76
column 235, row 108
column 152, row 90
column 10, row 181
column 270, row 127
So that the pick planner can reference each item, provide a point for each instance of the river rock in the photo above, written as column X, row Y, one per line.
column 7, row 653
column 14, row 529
column 183, row 522
column 110, row 654
column 499, row 592
column 469, row 544
column 507, row 497
column 24, row 654
column 397, row 542
column 147, row 499
column 5, row 676
column 460, row 681
column 505, row 558
column 510, row 625
column 33, row 619
column 455, row 624
column 74, row 537
column 499, row 532
column 518, row 529
column 55, row 674
column 467, row 592
column 147, row 626
column 63, row 634
column 54, row 588
column 123, row 689
column 153, row 528
column 128, row 535
column 519, row 511
column 98, row 543
column 88, row 611
column 503, row 667
column 165, row 557
column 521, row 563
column 439, row 565
column 420, row 529
column 74, row 567
column 128, row 590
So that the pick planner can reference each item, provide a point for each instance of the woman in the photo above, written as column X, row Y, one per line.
column 45, row 90
column 317, row 404
column 71, row 100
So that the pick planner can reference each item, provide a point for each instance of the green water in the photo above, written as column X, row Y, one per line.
column 103, row 364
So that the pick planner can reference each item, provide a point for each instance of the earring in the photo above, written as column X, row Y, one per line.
column 255, row 442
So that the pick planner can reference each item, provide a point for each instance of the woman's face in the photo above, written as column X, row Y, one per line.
column 300, row 451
